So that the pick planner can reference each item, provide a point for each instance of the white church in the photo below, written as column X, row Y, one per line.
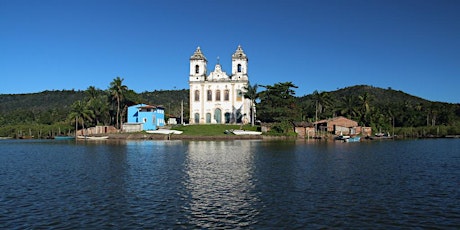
column 218, row 98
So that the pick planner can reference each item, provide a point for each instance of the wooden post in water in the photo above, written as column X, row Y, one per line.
column 76, row 126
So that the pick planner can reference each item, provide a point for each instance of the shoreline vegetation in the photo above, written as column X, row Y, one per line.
column 221, row 132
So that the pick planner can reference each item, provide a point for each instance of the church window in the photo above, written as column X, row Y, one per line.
column 197, row 69
column 197, row 95
column 208, row 118
column 217, row 95
column 239, row 68
column 226, row 95
column 239, row 95
column 209, row 95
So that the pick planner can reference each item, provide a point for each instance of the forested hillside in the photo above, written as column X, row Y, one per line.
column 370, row 106
column 46, row 107
column 170, row 99
column 381, row 108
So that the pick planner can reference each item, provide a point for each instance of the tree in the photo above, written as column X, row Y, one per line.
column 322, row 100
column 80, row 113
column 92, row 92
column 347, row 107
column 252, row 95
column 97, row 101
column 365, row 101
column 277, row 103
column 129, row 98
column 117, row 90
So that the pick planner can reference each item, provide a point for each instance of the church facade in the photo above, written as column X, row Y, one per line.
column 218, row 98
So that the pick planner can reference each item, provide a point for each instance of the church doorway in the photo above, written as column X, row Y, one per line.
column 227, row 118
column 239, row 117
column 197, row 118
column 208, row 118
column 218, row 116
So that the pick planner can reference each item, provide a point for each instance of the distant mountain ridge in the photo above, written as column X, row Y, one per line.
column 64, row 98
column 42, row 101
column 384, row 96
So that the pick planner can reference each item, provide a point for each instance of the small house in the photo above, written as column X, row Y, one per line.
column 144, row 117
column 304, row 129
column 338, row 126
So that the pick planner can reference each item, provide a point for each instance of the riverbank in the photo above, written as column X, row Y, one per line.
column 148, row 136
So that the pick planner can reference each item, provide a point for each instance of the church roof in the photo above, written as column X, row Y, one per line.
column 239, row 53
column 198, row 55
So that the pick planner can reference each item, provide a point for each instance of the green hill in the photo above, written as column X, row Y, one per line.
column 370, row 106
column 381, row 96
column 379, row 108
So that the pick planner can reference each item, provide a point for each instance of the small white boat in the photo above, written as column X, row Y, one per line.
column 353, row 139
column 246, row 132
column 164, row 131
column 93, row 137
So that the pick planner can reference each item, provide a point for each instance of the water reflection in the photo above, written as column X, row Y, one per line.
column 220, row 184
column 231, row 184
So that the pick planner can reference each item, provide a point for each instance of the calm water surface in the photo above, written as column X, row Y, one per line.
column 230, row 184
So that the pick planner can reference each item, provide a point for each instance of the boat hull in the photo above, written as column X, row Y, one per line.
column 246, row 132
column 164, row 131
column 64, row 138
column 353, row 139
column 93, row 138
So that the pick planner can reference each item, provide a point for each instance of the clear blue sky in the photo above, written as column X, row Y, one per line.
column 408, row 45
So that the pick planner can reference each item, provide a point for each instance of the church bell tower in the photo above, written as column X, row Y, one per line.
column 239, row 65
column 198, row 64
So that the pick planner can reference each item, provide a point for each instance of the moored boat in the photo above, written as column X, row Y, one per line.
column 246, row 132
column 164, row 131
column 93, row 137
column 353, row 139
column 64, row 137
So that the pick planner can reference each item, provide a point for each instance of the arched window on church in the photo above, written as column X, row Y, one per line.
column 209, row 95
column 217, row 95
column 226, row 95
column 239, row 95
column 239, row 68
column 197, row 69
column 197, row 95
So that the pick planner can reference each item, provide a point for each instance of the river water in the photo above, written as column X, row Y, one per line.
column 249, row 184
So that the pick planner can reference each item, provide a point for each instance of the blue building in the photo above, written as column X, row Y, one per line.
column 149, row 117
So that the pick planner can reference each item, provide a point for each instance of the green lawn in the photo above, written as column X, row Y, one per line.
column 210, row 130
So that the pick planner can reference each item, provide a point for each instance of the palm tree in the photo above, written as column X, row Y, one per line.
column 252, row 95
column 348, row 107
column 323, row 100
column 92, row 92
column 365, row 101
column 117, row 89
column 80, row 113
column 100, row 109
